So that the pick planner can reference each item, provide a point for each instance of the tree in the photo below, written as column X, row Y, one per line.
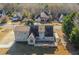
column 75, row 37
column 29, row 23
column 68, row 24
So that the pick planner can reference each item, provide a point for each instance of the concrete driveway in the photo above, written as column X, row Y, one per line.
column 22, row 48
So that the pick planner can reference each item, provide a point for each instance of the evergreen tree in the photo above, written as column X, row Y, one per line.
column 75, row 37
column 68, row 24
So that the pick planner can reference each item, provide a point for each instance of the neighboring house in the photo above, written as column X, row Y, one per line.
column 2, row 12
column 38, row 18
column 3, row 17
column 37, row 35
column 17, row 17
column 61, row 18
column 43, row 17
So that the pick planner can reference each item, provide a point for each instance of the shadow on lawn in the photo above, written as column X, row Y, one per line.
column 22, row 48
column 70, row 47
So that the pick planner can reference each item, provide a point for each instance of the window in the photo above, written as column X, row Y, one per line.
column 49, row 31
column 31, row 41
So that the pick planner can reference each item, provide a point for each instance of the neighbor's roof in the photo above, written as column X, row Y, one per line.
column 43, row 14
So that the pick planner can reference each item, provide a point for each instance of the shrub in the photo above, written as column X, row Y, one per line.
column 29, row 22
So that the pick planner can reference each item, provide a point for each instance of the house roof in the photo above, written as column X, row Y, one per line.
column 37, row 16
column 48, row 29
column 31, row 36
column 34, row 30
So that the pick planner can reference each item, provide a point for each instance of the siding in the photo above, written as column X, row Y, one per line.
column 21, row 36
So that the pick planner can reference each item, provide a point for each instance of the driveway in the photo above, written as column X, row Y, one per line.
column 22, row 48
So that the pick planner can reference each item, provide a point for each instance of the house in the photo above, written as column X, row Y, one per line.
column 2, row 12
column 37, row 35
column 7, row 38
column 61, row 18
column 17, row 17
column 38, row 18
column 3, row 17
column 43, row 17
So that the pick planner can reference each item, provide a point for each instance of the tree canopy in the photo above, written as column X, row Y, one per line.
column 68, row 24
column 75, row 36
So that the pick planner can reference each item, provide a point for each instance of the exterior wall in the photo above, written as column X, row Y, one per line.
column 47, row 39
column 31, row 39
column 41, row 34
column 21, row 36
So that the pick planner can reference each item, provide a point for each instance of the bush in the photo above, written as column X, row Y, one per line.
column 75, row 37
column 29, row 22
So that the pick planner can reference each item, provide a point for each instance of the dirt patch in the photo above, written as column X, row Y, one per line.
column 3, row 51
column 61, row 49
column 3, row 33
